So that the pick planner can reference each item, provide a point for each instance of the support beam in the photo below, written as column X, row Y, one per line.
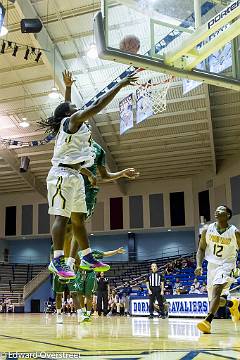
column 28, row 177
column 210, row 127
column 26, row 10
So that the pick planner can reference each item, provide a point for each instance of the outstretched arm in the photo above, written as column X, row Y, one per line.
column 201, row 253
column 237, row 233
column 114, row 252
column 82, row 115
column 68, row 81
column 106, row 175
column 92, row 179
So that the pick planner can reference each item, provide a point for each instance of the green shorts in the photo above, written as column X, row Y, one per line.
column 85, row 283
column 91, row 200
column 59, row 286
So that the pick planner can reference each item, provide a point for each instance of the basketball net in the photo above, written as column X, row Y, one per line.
column 154, row 91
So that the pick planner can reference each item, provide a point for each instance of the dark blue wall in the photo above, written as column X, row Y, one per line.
column 154, row 245
column 148, row 245
column 29, row 251
column 42, row 294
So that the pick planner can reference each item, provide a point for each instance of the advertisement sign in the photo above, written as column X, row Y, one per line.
column 126, row 113
column 144, row 106
column 178, row 306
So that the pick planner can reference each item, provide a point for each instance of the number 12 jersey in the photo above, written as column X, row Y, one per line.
column 221, row 248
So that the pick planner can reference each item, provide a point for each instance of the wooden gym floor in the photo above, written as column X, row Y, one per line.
column 115, row 338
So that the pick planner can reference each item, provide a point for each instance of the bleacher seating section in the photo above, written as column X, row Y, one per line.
column 13, row 277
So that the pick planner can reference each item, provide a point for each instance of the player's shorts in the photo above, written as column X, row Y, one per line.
column 85, row 283
column 66, row 192
column 91, row 200
column 59, row 286
column 218, row 275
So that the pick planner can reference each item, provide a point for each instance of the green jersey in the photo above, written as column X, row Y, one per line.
column 100, row 160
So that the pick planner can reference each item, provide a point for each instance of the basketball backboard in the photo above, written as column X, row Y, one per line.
column 176, row 37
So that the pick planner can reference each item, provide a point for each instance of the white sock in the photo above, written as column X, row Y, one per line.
column 79, row 312
column 88, row 313
column 70, row 262
column 58, row 311
column 86, row 251
column 58, row 253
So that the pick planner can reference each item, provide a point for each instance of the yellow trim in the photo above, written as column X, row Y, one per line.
column 68, row 139
column 59, row 192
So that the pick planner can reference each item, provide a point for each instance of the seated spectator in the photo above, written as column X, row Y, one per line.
column 193, row 290
column 124, row 304
column 9, row 306
column 127, row 288
column 114, row 303
column 177, row 286
column 191, row 262
column 184, row 264
column 169, row 269
column 203, row 288
column 196, row 283
column 178, row 265
column 168, row 289
column 140, row 291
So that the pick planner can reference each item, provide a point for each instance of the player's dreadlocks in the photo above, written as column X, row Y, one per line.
column 52, row 124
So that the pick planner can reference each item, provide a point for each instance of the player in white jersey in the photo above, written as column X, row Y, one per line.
column 66, row 195
column 219, row 245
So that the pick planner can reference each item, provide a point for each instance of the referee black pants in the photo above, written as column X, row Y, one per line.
column 102, row 299
column 156, row 295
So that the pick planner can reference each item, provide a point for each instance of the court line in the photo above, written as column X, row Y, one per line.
column 143, row 351
column 192, row 354
column 42, row 342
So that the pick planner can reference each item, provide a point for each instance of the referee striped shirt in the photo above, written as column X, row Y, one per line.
column 154, row 279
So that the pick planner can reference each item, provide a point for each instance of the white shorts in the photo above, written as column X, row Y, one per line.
column 66, row 192
column 218, row 275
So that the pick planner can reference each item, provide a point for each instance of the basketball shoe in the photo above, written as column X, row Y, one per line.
column 234, row 310
column 88, row 262
column 60, row 268
column 204, row 326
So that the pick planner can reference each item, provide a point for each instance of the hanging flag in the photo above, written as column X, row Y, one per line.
column 144, row 105
column 126, row 113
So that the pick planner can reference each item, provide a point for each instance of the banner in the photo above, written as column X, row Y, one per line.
column 144, row 106
column 221, row 59
column 189, row 85
column 178, row 306
column 126, row 113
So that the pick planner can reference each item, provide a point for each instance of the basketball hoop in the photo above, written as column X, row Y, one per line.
column 154, row 92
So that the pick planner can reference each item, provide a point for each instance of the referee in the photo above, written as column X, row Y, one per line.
column 155, row 286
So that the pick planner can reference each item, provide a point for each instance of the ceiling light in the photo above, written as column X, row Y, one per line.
column 24, row 124
column 3, row 31
column 91, row 234
column 54, row 94
column 92, row 52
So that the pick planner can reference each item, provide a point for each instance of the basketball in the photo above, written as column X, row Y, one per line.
column 130, row 43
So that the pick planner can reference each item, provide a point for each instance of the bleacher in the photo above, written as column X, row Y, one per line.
column 13, row 277
column 129, row 271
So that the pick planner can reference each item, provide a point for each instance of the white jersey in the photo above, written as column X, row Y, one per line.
column 221, row 248
column 74, row 148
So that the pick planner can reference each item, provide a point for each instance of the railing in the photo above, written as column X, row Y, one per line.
column 33, row 284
